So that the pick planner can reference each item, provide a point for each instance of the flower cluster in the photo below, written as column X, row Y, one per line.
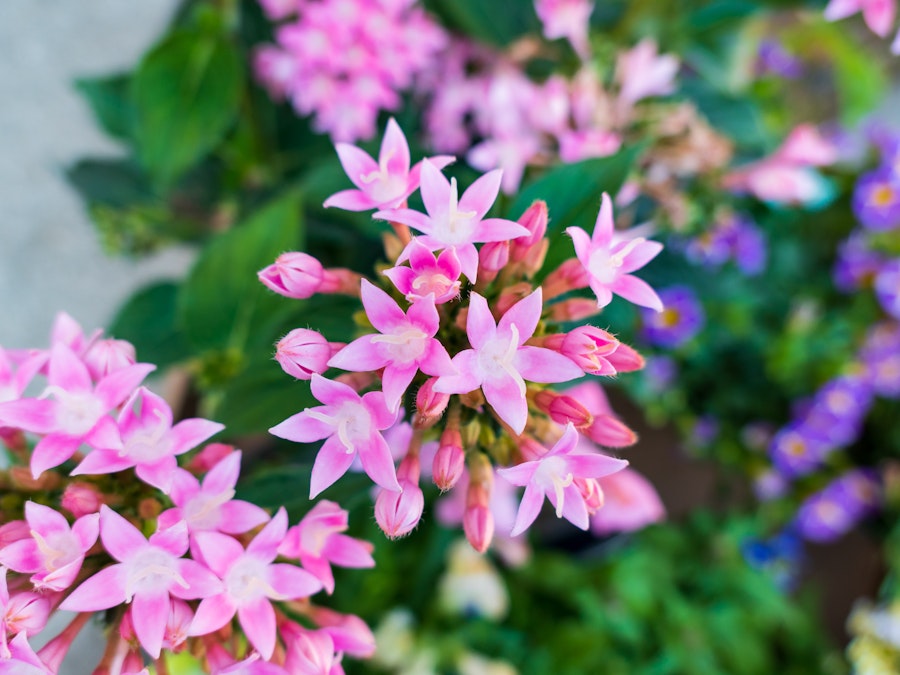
column 343, row 61
column 98, row 517
column 463, row 337
column 732, row 237
column 879, row 15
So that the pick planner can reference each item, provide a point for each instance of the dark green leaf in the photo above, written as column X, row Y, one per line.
column 113, row 182
column 498, row 22
column 223, row 304
column 186, row 93
column 148, row 321
column 108, row 98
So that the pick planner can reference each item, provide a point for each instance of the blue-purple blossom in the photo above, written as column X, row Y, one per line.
column 735, row 238
column 856, row 264
column 681, row 319
column 887, row 287
column 838, row 410
column 770, row 485
column 796, row 450
column 659, row 373
column 880, row 357
column 779, row 557
column 876, row 200
column 774, row 59
column 835, row 510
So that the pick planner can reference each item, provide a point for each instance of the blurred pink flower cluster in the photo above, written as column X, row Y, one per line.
column 879, row 15
column 464, row 335
column 343, row 61
column 74, row 539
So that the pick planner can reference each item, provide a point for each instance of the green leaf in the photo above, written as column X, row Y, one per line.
column 186, row 93
column 498, row 22
column 572, row 193
column 223, row 304
column 108, row 98
column 112, row 182
column 147, row 320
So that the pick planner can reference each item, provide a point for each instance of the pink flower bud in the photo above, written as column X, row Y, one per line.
column 563, row 409
column 356, row 381
column 397, row 513
column 430, row 405
column 574, row 309
column 478, row 521
column 533, row 261
column 208, row 457
column 510, row 296
column 449, row 460
column 492, row 258
column 626, row 359
column 611, row 432
column 80, row 499
column 107, row 356
column 303, row 352
column 294, row 275
column 590, row 348
column 535, row 221
column 591, row 492
column 569, row 276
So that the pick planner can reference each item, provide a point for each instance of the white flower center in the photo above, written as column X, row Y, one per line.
column 552, row 474
column 247, row 580
column 78, row 412
column 457, row 227
column 202, row 512
column 496, row 358
column 150, row 443
column 352, row 423
column 404, row 346
column 58, row 549
column 152, row 570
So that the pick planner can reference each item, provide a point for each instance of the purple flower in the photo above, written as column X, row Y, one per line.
column 660, row 372
column 838, row 410
column 887, row 287
column 832, row 512
column 856, row 264
column 682, row 318
column 880, row 356
column 774, row 59
column 796, row 450
column 876, row 200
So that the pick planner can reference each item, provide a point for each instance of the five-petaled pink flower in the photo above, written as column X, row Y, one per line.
column 405, row 344
column 54, row 553
column 610, row 259
column 499, row 362
column 453, row 221
column 149, row 441
column 351, row 425
column 147, row 574
column 554, row 475
column 427, row 274
column 251, row 582
column 384, row 185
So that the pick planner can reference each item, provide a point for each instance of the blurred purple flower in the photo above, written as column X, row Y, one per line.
column 887, row 287
column 774, row 59
column 796, row 450
column 659, row 373
column 876, row 200
column 880, row 356
column 681, row 319
column 770, row 485
column 856, row 264
column 832, row 512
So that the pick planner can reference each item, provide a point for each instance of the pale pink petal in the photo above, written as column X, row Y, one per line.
column 468, row 260
column 219, row 551
column 537, row 364
column 604, row 295
column 212, row 614
column 378, row 463
column 594, row 465
column 173, row 539
column 350, row 200
column 331, row 463
column 468, row 379
column 348, row 552
column 159, row 473
column 356, row 163
column 86, row 529
column 395, row 380
column 331, row 392
column 637, row 291
column 44, row 519
column 435, row 190
column 31, row 414
column 498, row 229
column 841, row 9
column 320, row 569
column 508, row 400
column 291, row 582
column 185, row 485
column 640, row 255
column 149, row 615
column 574, row 508
column 879, row 16
column 102, row 461
column 105, row 435
column 303, row 428
column 604, row 227
column 414, row 219
column 119, row 385
column 258, row 621
column 121, row 539
column 423, row 314
column 436, row 361
column 67, row 371
column 480, row 325
column 525, row 315
column 381, row 309
column 394, row 149
column 239, row 516
column 201, row 582
column 383, row 416
column 265, row 544
column 415, row 173
column 419, row 254
column 52, row 450
column 520, row 474
column 529, row 509
column 22, row 556
column 482, row 193
column 359, row 356
column 154, row 411
column 103, row 590
column 190, row 433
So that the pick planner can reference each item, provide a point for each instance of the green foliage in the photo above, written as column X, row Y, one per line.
column 108, row 98
column 149, row 319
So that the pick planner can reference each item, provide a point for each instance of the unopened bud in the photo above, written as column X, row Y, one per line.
column 149, row 508
column 510, row 296
column 22, row 479
column 492, row 258
column 591, row 492
column 611, row 432
column 80, row 499
column 303, row 352
column 356, row 381
column 208, row 457
column 574, row 309
column 107, row 356
column 535, row 221
column 626, row 359
column 294, row 275
column 569, row 276
column 563, row 409
column 430, row 405
column 449, row 460
column 478, row 521
column 590, row 348
column 534, row 259
column 397, row 513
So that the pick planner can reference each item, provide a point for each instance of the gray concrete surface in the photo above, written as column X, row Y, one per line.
column 50, row 258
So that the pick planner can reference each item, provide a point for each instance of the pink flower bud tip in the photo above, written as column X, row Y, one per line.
column 303, row 352
column 478, row 521
column 208, row 457
column 294, row 275
column 535, row 221
column 81, row 499
column 430, row 405
column 449, row 461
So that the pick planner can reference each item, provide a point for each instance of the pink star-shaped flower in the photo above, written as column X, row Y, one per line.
column 499, row 362
column 351, row 426
column 453, row 221
column 384, row 185
column 427, row 274
column 609, row 260
column 553, row 475
column 405, row 344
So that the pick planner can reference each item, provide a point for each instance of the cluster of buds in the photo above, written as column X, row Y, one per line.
column 98, row 518
column 462, row 342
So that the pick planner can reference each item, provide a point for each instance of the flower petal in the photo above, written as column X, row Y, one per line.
column 291, row 582
column 394, row 149
column 331, row 463
column 637, row 291
column 378, row 463
column 212, row 614
column 350, row 200
column 258, row 621
column 103, row 590
column 357, row 163
column 149, row 615
column 505, row 395
column 537, row 364
column 529, row 509
column 482, row 193
column 525, row 315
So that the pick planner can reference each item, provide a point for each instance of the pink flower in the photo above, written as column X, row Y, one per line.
column 575, row 146
column 510, row 152
column 317, row 541
column 453, row 221
column 21, row 659
column 351, row 425
column 147, row 574
column 878, row 14
column 54, row 553
column 77, row 413
column 13, row 381
column 149, row 441
column 294, row 275
column 630, row 503
column 499, row 362
column 23, row 612
column 609, row 260
column 211, row 506
column 567, row 19
column 398, row 513
column 107, row 356
column 405, row 345
column 642, row 72
column 805, row 146
column 303, row 352
column 251, row 582
column 553, row 476
column 427, row 274
column 310, row 652
column 384, row 185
